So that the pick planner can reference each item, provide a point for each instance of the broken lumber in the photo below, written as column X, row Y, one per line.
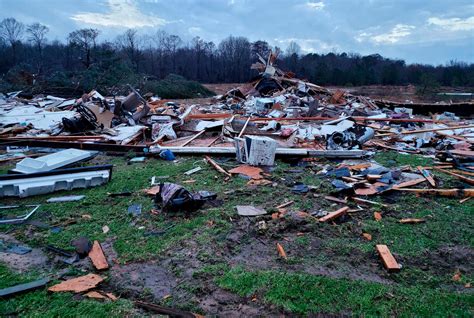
column 411, row 132
column 78, row 284
column 216, row 166
column 21, row 288
column 443, row 192
column 411, row 221
column 427, row 176
column 243, row 128
column 334, row 215
column 464, row 200
column 360, row 200
column 387, row 258
column 284, row 205
column 373, row 177
column 408, row 183
column 460, row 177
column 97, row 256
column 281, row 251
column 193, row 137
column 334, row 199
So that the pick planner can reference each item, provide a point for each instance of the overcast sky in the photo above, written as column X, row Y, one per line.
column 433, row 32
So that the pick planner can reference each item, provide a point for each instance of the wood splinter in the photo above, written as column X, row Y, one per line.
column 216, row 166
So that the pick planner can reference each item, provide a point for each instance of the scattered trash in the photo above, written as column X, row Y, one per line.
column 66, row 198
column 248, row 210
column 82, row 245
column 135, row 209
column 105, row 229
column 300, row 188
column 13, row 248
column 21, row 288
column 377, row 216
column 52, row 161
column 137, row 159
column 173, row 197
column 23, row 185
column 167, row 155
column 77, row 285
column 18, row 219
column 194, row 170
column 249, row 171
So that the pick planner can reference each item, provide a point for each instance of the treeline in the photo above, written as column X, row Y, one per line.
column 83, row 62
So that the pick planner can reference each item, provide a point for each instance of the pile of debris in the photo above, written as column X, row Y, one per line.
column 274, row 114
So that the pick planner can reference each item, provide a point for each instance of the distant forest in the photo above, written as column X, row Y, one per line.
column 83, row 62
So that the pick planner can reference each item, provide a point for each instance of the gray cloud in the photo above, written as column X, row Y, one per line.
column 417, row 31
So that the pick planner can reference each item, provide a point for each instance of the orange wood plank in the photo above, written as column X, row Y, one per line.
column 409, row 183
column 77, row 285
column 387, row 258
column 334, row 215
column 97, row 256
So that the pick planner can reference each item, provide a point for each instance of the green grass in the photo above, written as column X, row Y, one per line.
column 392, row 159
column 131, row 241
column 304, row 294
column 340, row 246
column 40, row 303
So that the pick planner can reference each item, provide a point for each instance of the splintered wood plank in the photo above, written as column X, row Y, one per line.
column 427, row 176
column 334, row 215
column 460, row 177
column 281, row 251
column 409, row 183
column 97, row 256
column 411, row 221
column 78, row 284
column 387, row 258
column 334, row 199
column 360, row 166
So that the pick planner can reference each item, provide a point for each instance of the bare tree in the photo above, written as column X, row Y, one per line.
column 293, row 48
column 85, row 39
column 172, row 43
column 11, row 31
column 37, row 35
column 130, row 42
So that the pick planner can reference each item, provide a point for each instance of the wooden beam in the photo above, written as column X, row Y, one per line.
column 243, row 128
column 193, row 137
column 360, row 200
column 216, row 166
column 387, row 258
column 334, row 199
column 284, row 205
column 334, row 215
column 460, row 177
column 427, row 176
column 408, row 183
column 406, row 132
column 443, row 192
